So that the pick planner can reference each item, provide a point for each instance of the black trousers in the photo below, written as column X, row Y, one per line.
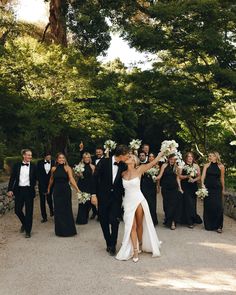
column 43, row 199
column 24, row 198
column 109, row 217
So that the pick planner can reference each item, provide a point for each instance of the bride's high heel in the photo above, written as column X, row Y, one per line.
column 135, row 259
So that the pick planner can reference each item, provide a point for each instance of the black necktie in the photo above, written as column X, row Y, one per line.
column 24, row 164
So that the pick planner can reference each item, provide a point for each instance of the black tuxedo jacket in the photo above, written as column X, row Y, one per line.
column 15, row 176
column 103, row 186
column 94, row 158
column 43, row 177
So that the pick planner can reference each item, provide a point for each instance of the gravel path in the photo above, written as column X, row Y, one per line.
column 192, row 262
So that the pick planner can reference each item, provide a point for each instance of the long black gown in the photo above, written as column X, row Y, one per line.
column 172, row 198
column 189, row 211
column 213, row 204
column 63, row 215
column 149, row 190
column 85, row 185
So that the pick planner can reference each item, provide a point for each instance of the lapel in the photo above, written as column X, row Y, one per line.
column 31, row 173
column 110, row 170
column 118, row 174
column 18, row 173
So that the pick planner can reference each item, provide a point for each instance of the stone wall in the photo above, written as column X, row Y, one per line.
column 6, row 204
column 230, row 204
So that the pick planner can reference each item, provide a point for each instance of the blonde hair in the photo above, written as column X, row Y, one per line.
column 217, row 155
column 86, row 154
column 136, row 160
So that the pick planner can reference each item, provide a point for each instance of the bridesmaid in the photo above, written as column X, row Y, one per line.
column 170, row 189
column 85, row 184
column 190, row 175
column 213, row 179
column 61, row 176
column 149, row 190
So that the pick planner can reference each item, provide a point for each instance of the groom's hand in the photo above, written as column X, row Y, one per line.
column 94, row 200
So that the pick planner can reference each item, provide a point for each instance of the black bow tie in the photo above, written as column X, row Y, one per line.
column 46, row 162
column 24, row 164
column 116, row 163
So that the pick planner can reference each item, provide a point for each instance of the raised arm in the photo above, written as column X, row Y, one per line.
column 163, row 167
column 145, row 167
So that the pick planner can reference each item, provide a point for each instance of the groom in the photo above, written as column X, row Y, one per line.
column 107, row 194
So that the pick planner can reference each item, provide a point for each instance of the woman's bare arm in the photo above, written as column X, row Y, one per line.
column 145, row 167
column 71, row 178
column 51, row 179
column 222, row 177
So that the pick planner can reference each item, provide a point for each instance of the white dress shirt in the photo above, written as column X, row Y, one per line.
column 24, row 179
column 47, row 167
column 114, row 169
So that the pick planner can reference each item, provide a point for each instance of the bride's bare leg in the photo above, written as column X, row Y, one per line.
column 139, row 222
column 134, row 238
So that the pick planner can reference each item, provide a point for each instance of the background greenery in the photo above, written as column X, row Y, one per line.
column 54, row 92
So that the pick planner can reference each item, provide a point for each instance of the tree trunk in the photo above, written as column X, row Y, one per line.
column 57, row 19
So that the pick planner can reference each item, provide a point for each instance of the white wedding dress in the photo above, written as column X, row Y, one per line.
column 132, row 199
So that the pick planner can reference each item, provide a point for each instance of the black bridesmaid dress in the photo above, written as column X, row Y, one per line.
column 149, row 190
column 189, row 211
column 172, row 198
column 85, row 185
column 63, row 215
column 213, row 203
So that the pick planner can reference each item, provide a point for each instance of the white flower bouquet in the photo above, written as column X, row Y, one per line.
column 135, row 144
column 109, row 145
column 179, row 159
column 79, row 169
column 202, row 193
column 153, row 172
column 169, row 147
column 190, row 170
column 83, row 197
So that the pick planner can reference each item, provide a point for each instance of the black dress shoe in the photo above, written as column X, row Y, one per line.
column 28, row 235
column 108, row 249
column 22, row 229
column 44, row 220
column 93, row 216
column 113, row 251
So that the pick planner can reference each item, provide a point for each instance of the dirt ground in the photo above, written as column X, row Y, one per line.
column 192, row 262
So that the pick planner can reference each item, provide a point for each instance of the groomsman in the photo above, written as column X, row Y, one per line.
column 22, row 185
column 107, row 194
column 146, row 150
column 142, row 157
column 43, row 169
column 99, row 154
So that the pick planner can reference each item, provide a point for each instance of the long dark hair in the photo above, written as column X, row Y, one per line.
column 186, row 156
column 57, row 156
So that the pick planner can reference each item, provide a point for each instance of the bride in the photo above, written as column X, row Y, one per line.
column 139, row 233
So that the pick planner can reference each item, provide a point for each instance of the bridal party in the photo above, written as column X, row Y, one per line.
column 120, row 183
